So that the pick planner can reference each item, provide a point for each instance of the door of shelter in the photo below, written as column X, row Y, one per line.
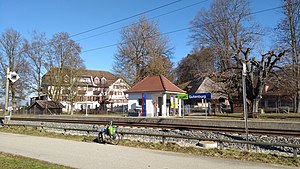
column 160, row 102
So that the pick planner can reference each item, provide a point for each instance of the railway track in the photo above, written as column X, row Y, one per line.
column 224, row 129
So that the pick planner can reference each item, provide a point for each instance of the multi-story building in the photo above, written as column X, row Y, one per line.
column 94, row 90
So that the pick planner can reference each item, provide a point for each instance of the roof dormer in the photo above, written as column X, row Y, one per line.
column 96, row 80
column 103, row 81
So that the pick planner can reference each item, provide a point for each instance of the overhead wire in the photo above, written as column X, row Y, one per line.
column 182, row 29
column 167, row 13
column 120, row 20
column 170, row 32
column 117, row 21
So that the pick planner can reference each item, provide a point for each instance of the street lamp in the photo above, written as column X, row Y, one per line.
column 244, row 74
column 86, row 111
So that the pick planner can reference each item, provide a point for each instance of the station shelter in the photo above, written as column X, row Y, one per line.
column 155, row 96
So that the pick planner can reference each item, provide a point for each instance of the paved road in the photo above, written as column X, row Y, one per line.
column 91, row 155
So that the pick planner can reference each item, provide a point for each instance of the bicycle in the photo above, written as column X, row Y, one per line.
column 109, row 134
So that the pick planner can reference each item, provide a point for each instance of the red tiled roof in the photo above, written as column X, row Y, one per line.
column 154, row 84
column 99, row 73
column 84, row 72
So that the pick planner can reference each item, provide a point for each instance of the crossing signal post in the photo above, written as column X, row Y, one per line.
column 10, row 77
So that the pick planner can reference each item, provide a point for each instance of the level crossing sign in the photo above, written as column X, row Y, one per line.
column 13, row 77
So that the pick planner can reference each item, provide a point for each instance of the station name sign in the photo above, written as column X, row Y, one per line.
column 206, row 96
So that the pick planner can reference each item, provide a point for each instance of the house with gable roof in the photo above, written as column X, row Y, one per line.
column 155, row 96
column 95, row 89
column 43, row 107
column 219, row 100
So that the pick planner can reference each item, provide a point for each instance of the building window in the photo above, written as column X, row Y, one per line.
column 95, row 98
column 85, row 80
column 116, row 87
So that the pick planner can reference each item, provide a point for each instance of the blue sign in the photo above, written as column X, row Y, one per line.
column 206, row 96
column 144, row 97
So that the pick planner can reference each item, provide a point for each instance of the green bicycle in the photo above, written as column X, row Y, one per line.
column 109, row 134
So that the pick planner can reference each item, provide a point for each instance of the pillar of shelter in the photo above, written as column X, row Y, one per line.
column 179, row 108
column 164, row 106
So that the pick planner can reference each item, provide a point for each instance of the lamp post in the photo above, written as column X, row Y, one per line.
column 86, row 111
column 244, row 74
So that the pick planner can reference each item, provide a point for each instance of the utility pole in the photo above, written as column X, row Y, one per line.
column 6, row 91
column 244, row 74
column 86, row 111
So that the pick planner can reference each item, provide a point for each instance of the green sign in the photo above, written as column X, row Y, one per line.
column 183, row 96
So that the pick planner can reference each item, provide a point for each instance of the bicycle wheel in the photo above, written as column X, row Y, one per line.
column 115, row 139
column 100, row 137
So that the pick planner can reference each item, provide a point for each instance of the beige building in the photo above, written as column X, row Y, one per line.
column 94, row 90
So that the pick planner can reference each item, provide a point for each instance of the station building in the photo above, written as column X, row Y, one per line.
column 155, row 96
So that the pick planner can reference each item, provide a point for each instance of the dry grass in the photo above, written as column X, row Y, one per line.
column 15, row 161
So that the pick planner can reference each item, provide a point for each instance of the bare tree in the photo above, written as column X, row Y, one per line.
column 258, row 72
column 200, row 62
column 64, row 65
column 225, row 27
column 12, row 47
column 289, row 37
column 74, row 74
column 160, row 65
column 142, row 46
column 37, row 50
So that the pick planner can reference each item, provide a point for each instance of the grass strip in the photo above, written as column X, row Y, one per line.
column 11, row 161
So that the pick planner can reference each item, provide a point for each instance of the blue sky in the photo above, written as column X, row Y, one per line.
column 75, row 16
